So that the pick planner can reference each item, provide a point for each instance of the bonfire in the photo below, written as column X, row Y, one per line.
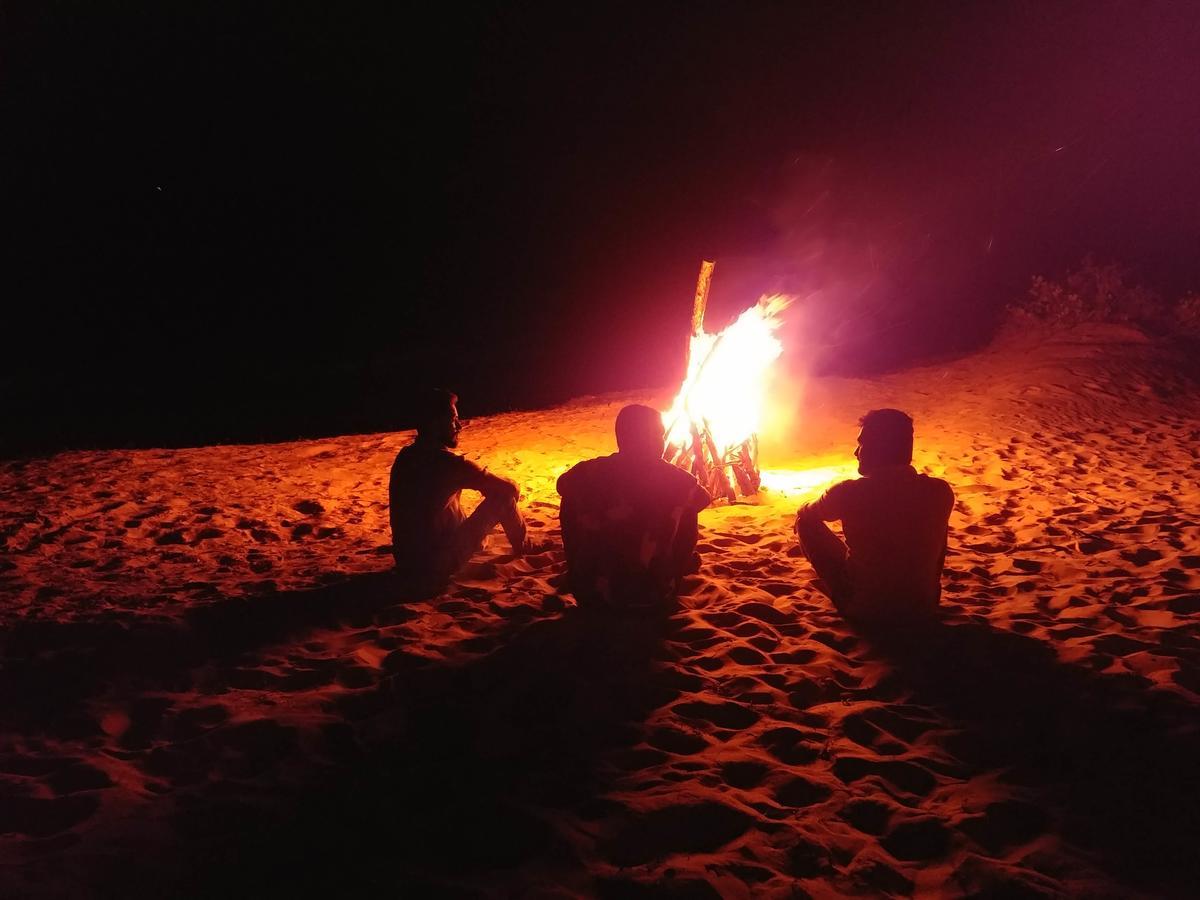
column 712, row 426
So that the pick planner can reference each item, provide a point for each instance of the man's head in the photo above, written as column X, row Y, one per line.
column 885, row 439
column 640, row 432
column 437, row 417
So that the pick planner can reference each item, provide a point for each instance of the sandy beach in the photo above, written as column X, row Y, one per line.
column 211, row 686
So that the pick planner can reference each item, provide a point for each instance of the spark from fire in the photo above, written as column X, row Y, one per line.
column 726, row 382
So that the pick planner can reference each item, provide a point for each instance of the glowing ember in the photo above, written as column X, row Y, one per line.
column 726, row 379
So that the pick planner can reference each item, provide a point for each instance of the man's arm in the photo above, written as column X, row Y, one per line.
column 948, row 503
column 826, row 508
column 475, row 478
column 495, row 486
column 567, row 480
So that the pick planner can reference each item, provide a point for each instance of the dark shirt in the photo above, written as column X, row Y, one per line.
column 424, row 504
column 895, row 523
column 629, row 525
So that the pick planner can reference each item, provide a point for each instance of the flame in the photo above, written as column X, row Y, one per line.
column 726, row 380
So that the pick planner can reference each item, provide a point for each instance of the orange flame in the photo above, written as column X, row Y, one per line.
column 725, row 385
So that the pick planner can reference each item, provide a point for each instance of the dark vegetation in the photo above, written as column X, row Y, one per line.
column 1103, row 292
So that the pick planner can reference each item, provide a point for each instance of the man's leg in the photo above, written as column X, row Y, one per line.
column 683, row 551
column 491, row 512
column 827, row 554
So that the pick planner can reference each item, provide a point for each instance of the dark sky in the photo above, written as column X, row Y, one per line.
column 229, row 221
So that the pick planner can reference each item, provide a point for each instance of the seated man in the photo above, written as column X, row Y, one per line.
column 431, row 538
column 629, row 520
column 889, row 571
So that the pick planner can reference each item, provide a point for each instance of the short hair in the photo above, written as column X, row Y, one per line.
column 890, row 433
column 639, row 426
column 431, row 405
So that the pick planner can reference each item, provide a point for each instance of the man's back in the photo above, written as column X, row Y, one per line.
column 895, row 523
column 622, row 519
column 423, row 497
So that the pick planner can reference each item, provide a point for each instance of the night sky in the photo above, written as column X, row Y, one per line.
column 232, row 222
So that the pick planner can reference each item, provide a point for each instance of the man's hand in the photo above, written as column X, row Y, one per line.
column 500, row 488
column 807, row 517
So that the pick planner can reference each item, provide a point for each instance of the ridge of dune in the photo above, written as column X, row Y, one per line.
column 205, row 663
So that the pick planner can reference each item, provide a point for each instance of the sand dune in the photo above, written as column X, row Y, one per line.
column 211, row 686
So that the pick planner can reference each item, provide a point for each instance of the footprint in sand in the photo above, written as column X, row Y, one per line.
column 743, row 775
column 873, row 876
column 37, row 817
column 1142, row 556
column 724, row 715
column 672, row 740
column 808, row 859
column 907, row 776
column 918, row 840
column 867, row 735
column 250, row 748
column 77, row 777
column 747, row 656
column 769, row 614
column 689, row 828
column 792, row 746
column 1005, row 825
column 868, row 816
column 798, row 792
column 723, row 620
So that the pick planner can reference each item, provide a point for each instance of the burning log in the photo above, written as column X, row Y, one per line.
column 719, row 482
column 711, row 428
column 700, row 303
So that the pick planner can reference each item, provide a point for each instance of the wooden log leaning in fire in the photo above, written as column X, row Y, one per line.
column 746, row 464
column 700, row 302
column 681, row 457
column 742, row 473
column 699, row 307
column 720, row 481
column 700, row 465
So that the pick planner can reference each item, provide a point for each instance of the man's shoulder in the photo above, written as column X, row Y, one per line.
column 584, row 472
column 424, row 450
column 419, row 455
column 939, row 488
column 594, row 466
column 613, row 469
column 406, row 457
column 847, row 487
column 935, row 485
column 684, row 488
column 675, row 475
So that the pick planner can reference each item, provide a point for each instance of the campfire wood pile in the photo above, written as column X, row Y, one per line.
column 725, row 474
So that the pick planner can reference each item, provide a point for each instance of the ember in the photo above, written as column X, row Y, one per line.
column 712, row 427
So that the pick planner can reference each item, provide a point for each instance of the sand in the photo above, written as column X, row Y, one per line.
column 210, row 685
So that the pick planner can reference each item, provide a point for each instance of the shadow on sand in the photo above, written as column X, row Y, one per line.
column 446, row 776
column 50, row 669
column 1115, row 761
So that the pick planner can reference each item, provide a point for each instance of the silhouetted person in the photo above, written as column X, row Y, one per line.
column 889, row 571
column 431, row 538
column 629, row 520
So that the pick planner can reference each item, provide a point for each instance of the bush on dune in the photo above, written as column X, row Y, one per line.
column 1101, row 293
column 1187, row 315
column 1094, row 292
